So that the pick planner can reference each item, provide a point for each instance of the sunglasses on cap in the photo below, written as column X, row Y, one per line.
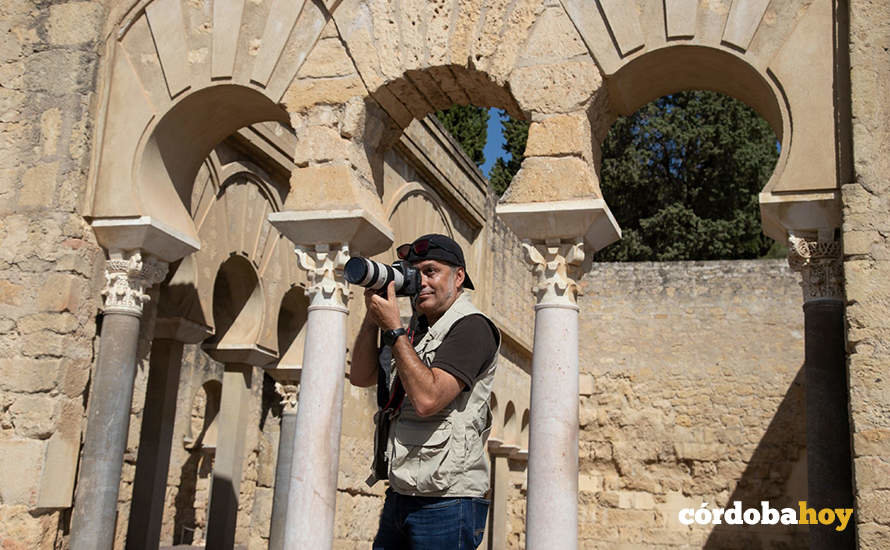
column 420, row 247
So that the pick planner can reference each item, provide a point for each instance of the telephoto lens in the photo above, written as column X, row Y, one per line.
column 375, row 275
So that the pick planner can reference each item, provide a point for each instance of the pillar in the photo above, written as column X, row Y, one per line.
column 155, row 445
column 128, row 275
column 313, row 475
column 229, row 458
column 286, row 442
column 500, row 486
column 552, row 504
column 829, row 460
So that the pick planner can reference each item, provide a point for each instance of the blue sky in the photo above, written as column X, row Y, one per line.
column 494, row 141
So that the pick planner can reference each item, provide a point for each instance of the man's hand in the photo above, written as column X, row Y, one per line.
column 384, row 311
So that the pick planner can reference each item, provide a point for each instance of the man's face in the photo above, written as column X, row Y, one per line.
column 438, row 288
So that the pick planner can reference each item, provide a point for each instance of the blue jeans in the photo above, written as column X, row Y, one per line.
column 431, row 523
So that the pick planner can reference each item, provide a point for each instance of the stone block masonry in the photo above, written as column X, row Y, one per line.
column 867, row 267
column 697, row 397
column 49, row 283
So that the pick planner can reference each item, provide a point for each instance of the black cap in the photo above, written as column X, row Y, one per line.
column 442, row 248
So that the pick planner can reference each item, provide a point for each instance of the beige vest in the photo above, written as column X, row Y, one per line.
column 444, row 454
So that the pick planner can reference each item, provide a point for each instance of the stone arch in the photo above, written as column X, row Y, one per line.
column 238, row 306
column 416, row 211
column 229, row 207
column 523, row 430
column 571, row 68
column 511, row 426
column 496, row 435
column 775, row 56
column 178, row 78
column 292, row 329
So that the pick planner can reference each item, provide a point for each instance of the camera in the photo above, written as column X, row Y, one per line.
column 370, row 274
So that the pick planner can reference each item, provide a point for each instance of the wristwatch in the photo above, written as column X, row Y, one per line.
column 390, row 336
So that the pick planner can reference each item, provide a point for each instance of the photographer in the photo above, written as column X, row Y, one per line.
column 432, row 430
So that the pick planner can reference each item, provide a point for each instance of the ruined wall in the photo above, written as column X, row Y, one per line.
column 697, row 398
column 49, row 284
column 867, row 268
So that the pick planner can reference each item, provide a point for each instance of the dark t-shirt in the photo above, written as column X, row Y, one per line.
column 467, row 350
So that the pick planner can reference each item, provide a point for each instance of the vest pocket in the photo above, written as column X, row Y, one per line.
column 425, row 456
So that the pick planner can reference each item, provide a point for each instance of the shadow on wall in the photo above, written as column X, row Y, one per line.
column 198, row 465
column 776, row 473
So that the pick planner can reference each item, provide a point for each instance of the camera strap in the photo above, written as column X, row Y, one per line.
column 389, row 400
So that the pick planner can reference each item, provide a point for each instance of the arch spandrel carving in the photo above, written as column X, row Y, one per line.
column 162, row 112
column 417, row 211
column 176, row 84
column 230, row 205
column 775, row 56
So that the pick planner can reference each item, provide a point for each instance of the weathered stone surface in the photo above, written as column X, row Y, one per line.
column 304, row 93
column 10, row 293
column 38, row 184
column 24, row 529
column 61, row 292
column 866, row 208
column 543, row 179
column 873, row 472
column 74, row 23
column 560, row 135
column 874, row 506
column 708, row 418
column 33, row 416
column 20, row 463
column 28, row 375
column 553, row 38
column 319, row 144
column 557, row 88
column 327, row 60
column 872, row 536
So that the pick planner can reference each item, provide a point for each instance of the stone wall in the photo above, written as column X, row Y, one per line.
column 49, row 283
column 697, row 398
column 867, row 268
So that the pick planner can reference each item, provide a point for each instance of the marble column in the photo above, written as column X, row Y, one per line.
column 155, row 445
column 552, row 505
column 128, row 275
column 286, row 444
column 829, row 461
column 316, row 456
column 500, row 486
column 229, row 459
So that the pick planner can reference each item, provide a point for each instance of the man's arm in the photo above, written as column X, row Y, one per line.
column 428, row 389
column 363, row 371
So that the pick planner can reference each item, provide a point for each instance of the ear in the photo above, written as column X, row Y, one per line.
column 460, row 274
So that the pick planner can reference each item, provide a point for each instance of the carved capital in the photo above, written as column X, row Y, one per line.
column 324, row 265
column 820, row 263
column 557, row 267
column 128, row 275
column 289, row 394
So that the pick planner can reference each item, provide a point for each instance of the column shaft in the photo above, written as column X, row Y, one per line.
column 500, row 486
column 552, row 514
column 229, row 459
column 286, row 444
column 829, row 462
column 105, row 440
column 155, row 444
column 313, row 475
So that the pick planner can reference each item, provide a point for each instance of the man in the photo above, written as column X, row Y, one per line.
column 436, row 422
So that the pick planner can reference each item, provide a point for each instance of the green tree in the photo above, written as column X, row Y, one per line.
column 515, row 136
column 468, row 124
column 681, row 176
